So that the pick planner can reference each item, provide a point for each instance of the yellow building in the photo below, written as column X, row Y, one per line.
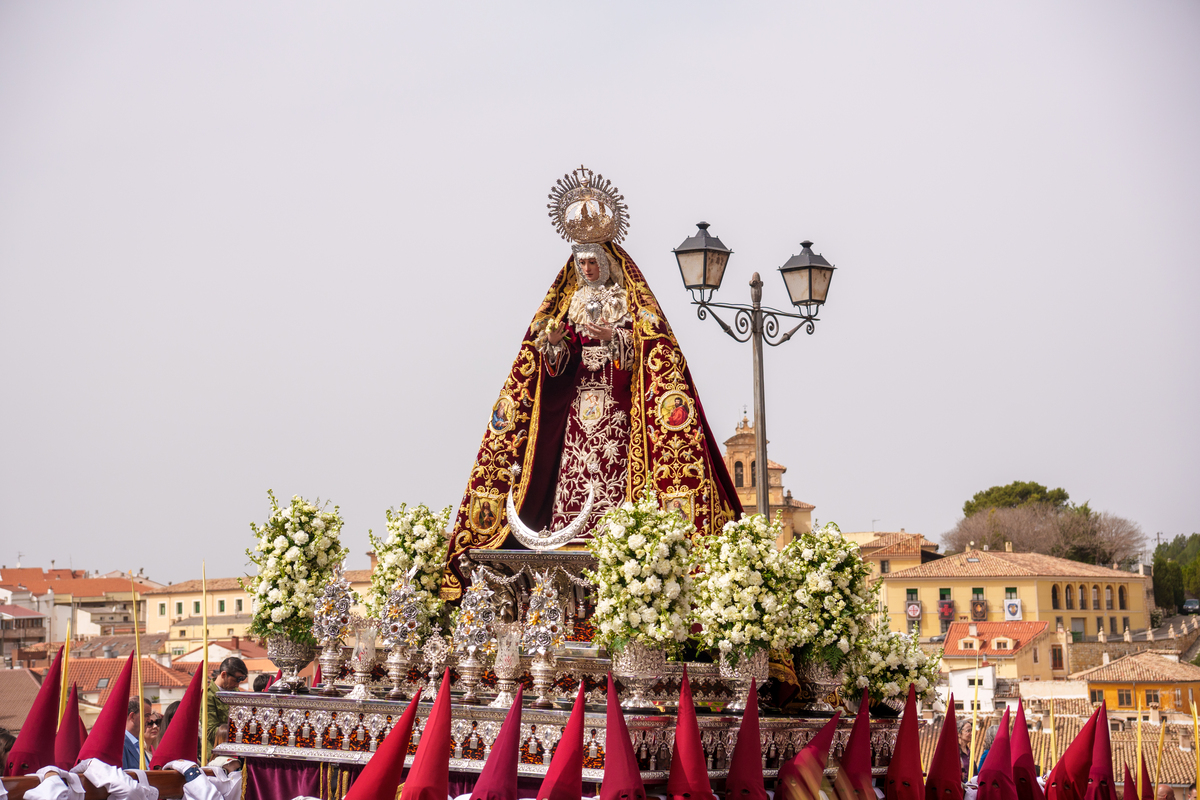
column 983, row 586
column 177, row 610
column 1018, row 650
column 1149, row 679
column 740, row 459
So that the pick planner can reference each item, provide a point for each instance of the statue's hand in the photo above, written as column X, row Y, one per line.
column 603, row 333
column 555, row 335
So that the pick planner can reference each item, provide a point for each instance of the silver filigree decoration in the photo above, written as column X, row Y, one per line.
column 546, row 539
column 332, row 619
column 401, row 618
column 544, row 621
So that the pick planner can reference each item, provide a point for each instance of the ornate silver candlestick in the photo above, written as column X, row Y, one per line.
column 331, row 623
column 543, row 632
column 507, row 663
column 473, row 634
column 397, row 663
column 331, row 665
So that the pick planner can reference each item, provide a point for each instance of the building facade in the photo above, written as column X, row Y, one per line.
column 998, row 586
column 740, row 459
column 1150, row 682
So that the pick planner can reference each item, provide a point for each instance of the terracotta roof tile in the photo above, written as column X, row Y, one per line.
column 18, row 688
column 1140, row 668
column 995, row 564
column 83, row 587
column 188, row 587
column 18, row 611
column 1022, row 633
column 88, row 672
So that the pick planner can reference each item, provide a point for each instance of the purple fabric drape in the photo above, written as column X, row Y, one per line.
column 283, row 779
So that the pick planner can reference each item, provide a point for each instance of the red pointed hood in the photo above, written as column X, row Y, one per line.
column 107, row 741
column 689, row 770
column 801, row 777
column 904, row 780
column 622, row 775
column 945, row 768
column 429, row 778
column 382, row 774
column 34, row 747
column 317, row 680
column 70, row 732
column 1101, row 784
column 498, row 781
column 855, row 769
column 1130, row 791
column 745, row 780
column 1068, row 779
column 564, row 776
column 1147, row 785
column 182, row 739
column 1023, row 769
column 995, row 779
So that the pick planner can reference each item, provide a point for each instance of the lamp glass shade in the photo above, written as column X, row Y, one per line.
column 819, row 282
column 691, row 267
column 797, row 282
column 715, row 271
column 807, row 278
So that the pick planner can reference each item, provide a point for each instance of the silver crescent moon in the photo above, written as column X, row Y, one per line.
column 547, row 539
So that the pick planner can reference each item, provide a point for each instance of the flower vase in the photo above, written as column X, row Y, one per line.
column 508, row 662
column 470, row 670
column 331, row 667
column 639, row 667
column 397, row 669
column 290, row 657
column 819, row 685
column 542, row 670
column 749, row 668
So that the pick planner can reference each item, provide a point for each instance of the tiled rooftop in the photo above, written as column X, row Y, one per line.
column 996, row 564
column 189, row 587
column 1141, row 668
column 18, row 688
column 1021, row 633
column 88, row 673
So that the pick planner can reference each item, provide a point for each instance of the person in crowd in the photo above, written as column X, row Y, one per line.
column 153, row 733
column 964, row 748
column 7, row 740
column 129, row 758
column 229, row 677
column 260, row 682
column 168, row 715
column 992, row 732
column 1191, row 793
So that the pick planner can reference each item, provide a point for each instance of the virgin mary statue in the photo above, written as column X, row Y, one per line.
column 599, row 405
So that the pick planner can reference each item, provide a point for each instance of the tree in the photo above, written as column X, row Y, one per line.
column 1077, row 533
column 1168, row 584
column 1015, row 495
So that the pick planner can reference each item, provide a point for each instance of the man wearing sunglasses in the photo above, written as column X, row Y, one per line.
column 230, row 675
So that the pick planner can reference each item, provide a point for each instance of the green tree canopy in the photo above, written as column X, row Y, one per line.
column 1015, row 495
column 1168, row 584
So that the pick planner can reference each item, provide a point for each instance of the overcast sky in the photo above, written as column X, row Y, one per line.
column 295, row 246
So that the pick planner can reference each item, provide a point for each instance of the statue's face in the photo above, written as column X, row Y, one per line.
column 589, row 266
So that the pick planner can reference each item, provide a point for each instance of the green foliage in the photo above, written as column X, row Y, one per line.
column 1014, row 495
column 1168, row 584
column 1184, row 551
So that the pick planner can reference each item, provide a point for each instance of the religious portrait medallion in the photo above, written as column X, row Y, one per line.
column 679, row 502
column 675, row 410
column 485, row 511
column 502, row 415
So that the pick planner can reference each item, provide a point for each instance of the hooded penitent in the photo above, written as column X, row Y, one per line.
column 498, row 780
column 904, row 780
column 670, row 444
column 622, row 775
column 995, row 779
column 107, row 739
column 429, row 778
column 800, row 778
column 745, row 780
column 944, row 781
column 71, row 733
column 1068, row 779
column 1101, row 785
column 564, row 777
column 382, row 774
column 182, row 739
column 34, row 747
column 1130, row 792
column 1023, row 769
column 689, row 771
column 854, row 773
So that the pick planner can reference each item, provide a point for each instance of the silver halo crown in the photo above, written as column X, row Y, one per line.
column 587, row 209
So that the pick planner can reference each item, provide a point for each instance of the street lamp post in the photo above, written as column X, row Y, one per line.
column 702, row 260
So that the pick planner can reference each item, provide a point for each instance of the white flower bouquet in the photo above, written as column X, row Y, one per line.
column 297, row 550
column 887, row 663
column 643, row 578
column 832, row 597
column 744, row 590
column 416, row 543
